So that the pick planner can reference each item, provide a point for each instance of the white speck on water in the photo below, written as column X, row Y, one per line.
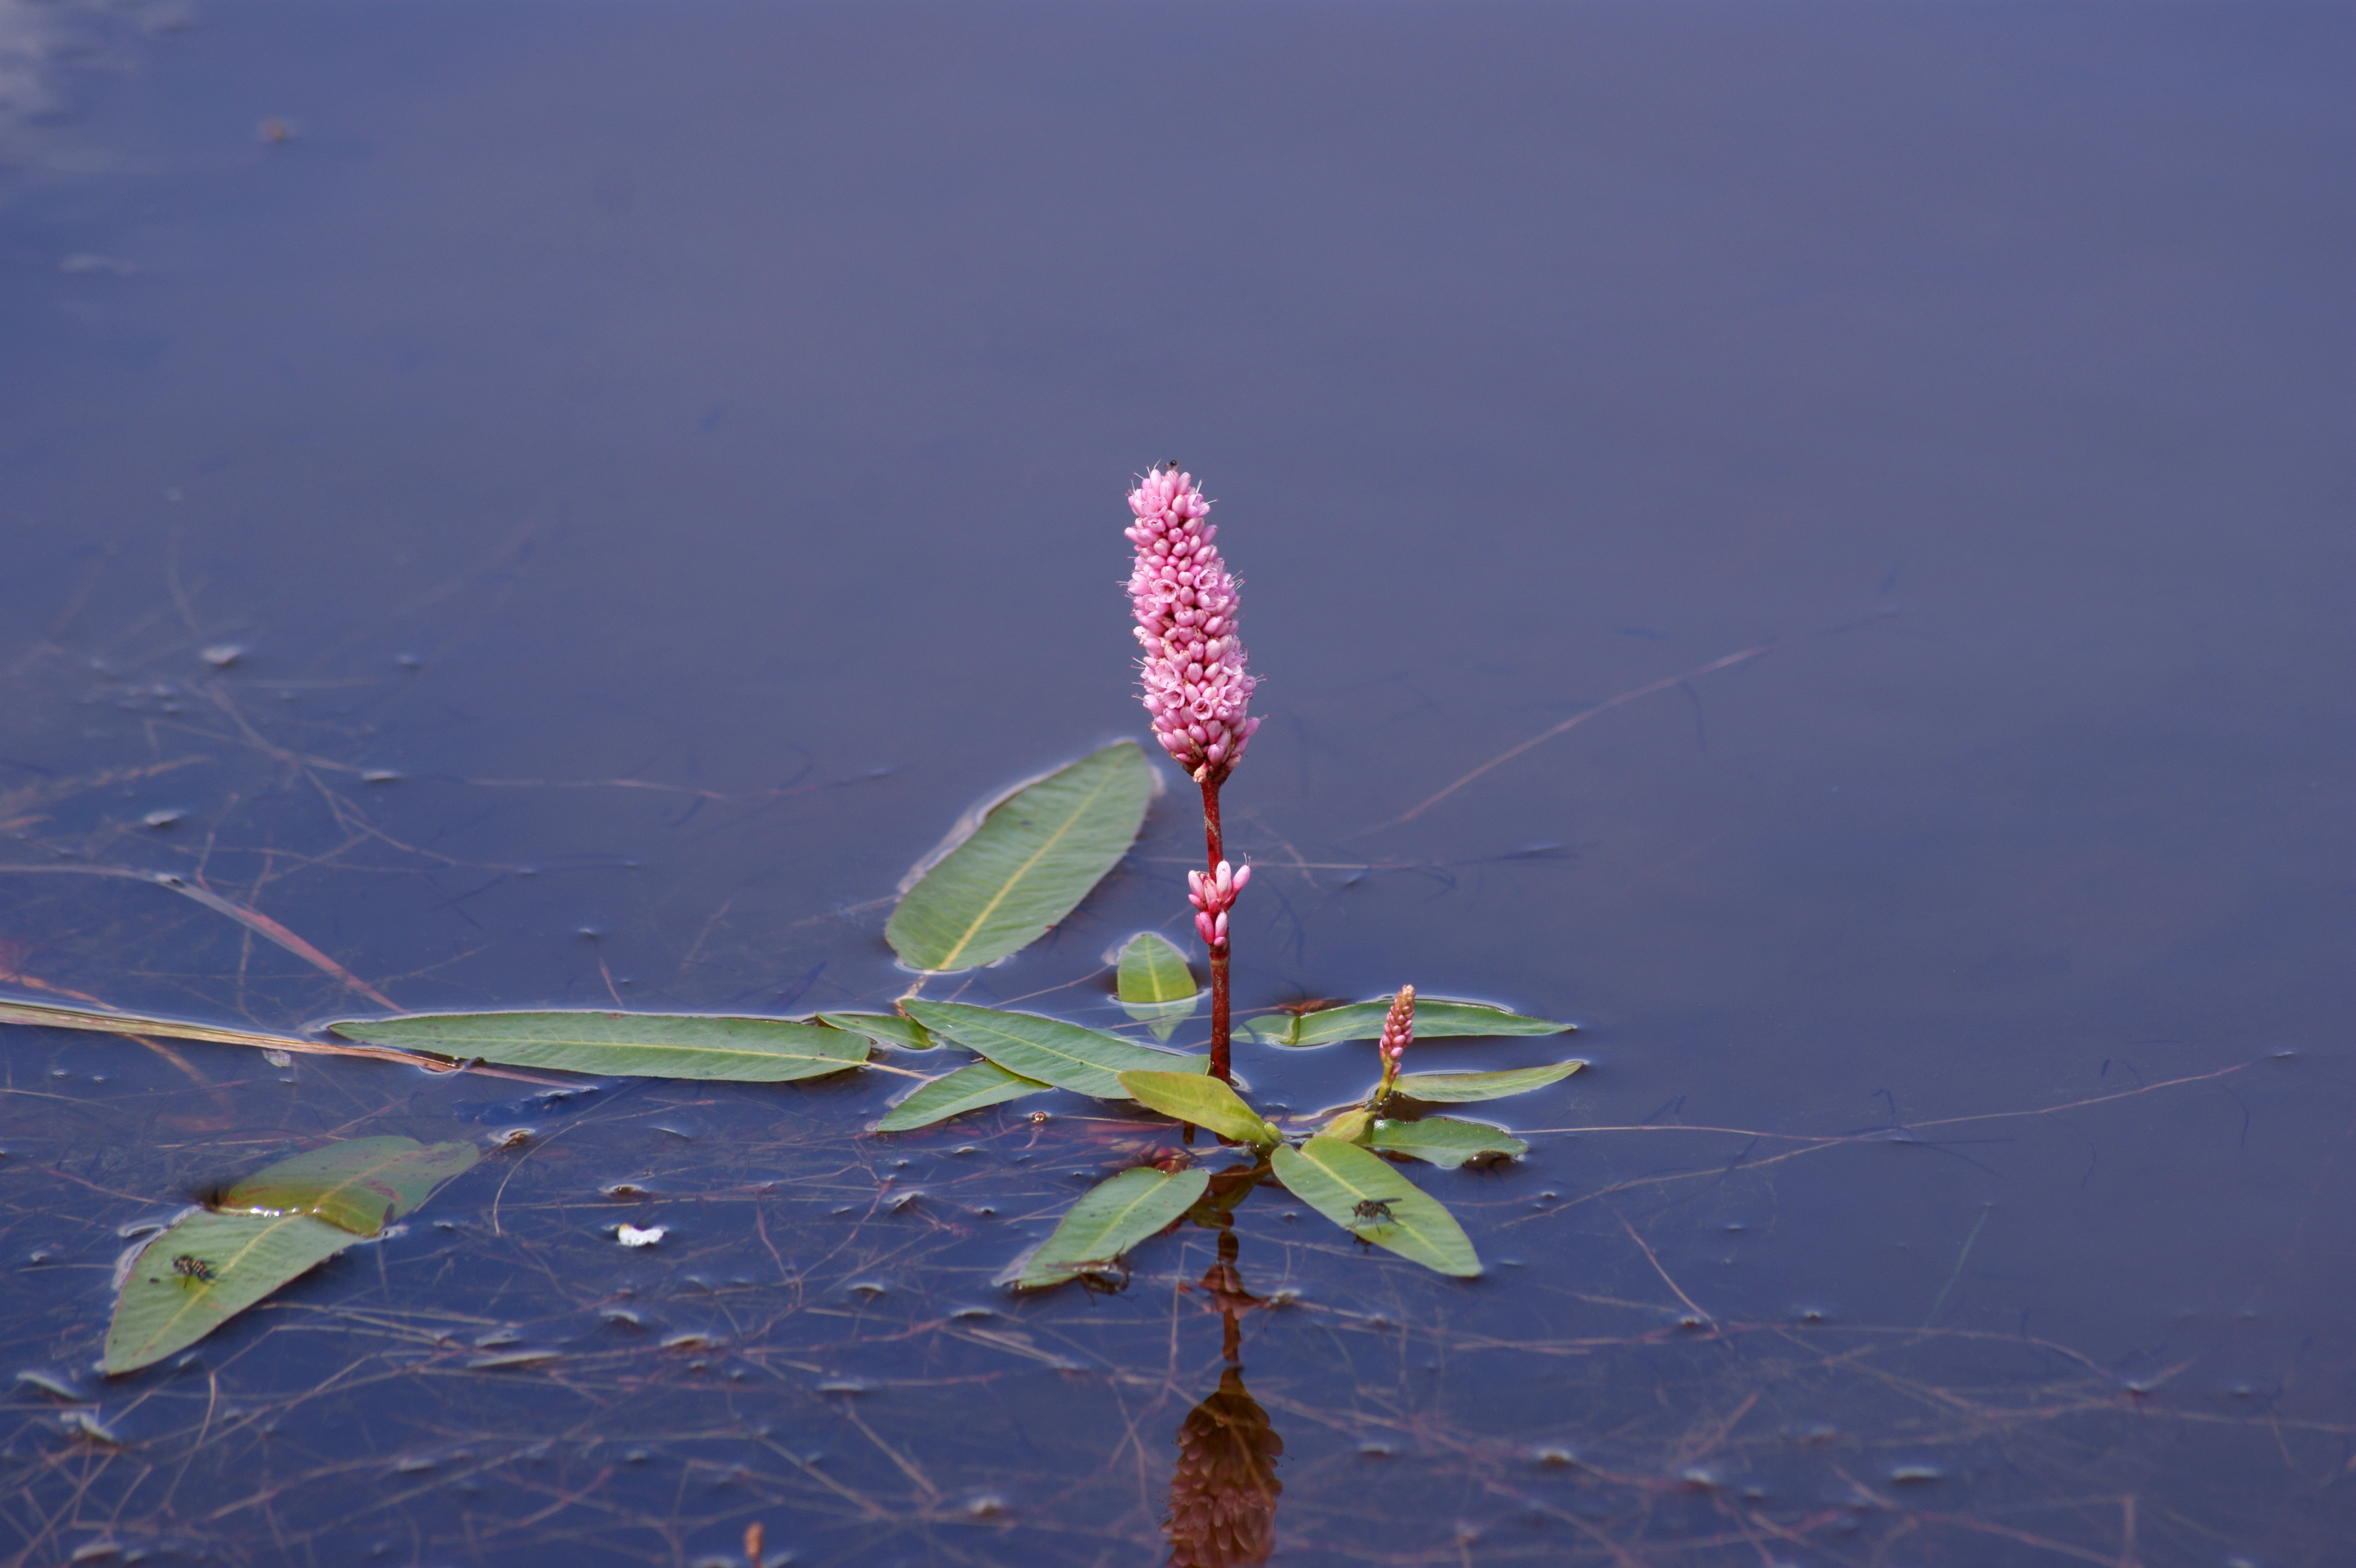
column 631, row 1235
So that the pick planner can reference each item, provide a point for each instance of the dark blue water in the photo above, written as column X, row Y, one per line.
column 659, row 467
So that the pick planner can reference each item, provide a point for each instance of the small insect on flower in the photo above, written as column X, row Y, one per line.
column 1372, row 1210
column 189, row 1267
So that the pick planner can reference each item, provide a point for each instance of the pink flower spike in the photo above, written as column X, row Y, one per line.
column 1195, row 682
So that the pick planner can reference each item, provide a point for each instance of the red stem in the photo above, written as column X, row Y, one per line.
column 1216, row 848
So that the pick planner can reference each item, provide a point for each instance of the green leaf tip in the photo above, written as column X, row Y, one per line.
column 1462, row 1088
column 1434, row 1019
column 1048, row 1049
column 1110, row 1218
column 1204, row 1100
column 1368, row 1196
column 884, row 1029
column 1153, row 969
column 967, row 1088
column 1444, row 1141
column 360, row 1185
column 1034, row 856
column 203, row 1270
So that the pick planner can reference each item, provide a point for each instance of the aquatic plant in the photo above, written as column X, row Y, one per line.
column 1003, row 878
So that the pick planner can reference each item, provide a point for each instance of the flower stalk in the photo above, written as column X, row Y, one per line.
column 1195, row 685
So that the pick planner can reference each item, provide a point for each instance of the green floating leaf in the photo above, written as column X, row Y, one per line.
column 1153, row 969
column 626, row 1045
column 1110, row 1218
column 1445, row 1140
column 1030, row 863
column 1364, row 1020
column 360, row 1185
column 1460, row 1087
column 204, row 1270
column 1049, row 1050
column 1204, row 1100
column 884, row 1029
column 1157, row 988
column 967, row 1088
column 1369, row 1198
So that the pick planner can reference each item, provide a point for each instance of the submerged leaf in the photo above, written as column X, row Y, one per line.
column 204, row 1270
column 1461, row 1087
column 1204, row 1100
column 967, row 1088
column 1034, row 857
column 1049, row 1050
column 361, row 1185
column 884, row 1029
column 1369, row 1198
column 1110, row 1218
column 626, row 1045
column 1434, row 1019
column 1445, row 1140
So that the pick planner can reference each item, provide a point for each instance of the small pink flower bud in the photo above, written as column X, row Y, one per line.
column 1399, row 1028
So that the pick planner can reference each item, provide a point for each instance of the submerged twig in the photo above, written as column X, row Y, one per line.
column 42, row 1016
column 1577, row 719
column 251, row 919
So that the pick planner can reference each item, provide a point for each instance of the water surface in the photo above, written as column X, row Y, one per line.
column 658, row 467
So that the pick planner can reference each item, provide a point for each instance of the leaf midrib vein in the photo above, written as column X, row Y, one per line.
column 949, row 959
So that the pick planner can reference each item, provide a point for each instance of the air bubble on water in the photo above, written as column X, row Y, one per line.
column 163, row 816
column 984, row 1505
column 1916, row 1475
column 221, row 655
column 379, row 775
column 1376, row 1450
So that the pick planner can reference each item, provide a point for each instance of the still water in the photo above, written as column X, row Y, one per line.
column 563, row 505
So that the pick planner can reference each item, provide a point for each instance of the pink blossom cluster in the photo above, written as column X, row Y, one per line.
column 1398, row 1030
column 1186, row 605
column 1213, row 896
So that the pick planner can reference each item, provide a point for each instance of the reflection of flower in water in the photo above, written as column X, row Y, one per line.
column 1223, row 1496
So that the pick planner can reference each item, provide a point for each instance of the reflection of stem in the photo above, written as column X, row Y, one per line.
column 1216, row 845
column 1223, row 1493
